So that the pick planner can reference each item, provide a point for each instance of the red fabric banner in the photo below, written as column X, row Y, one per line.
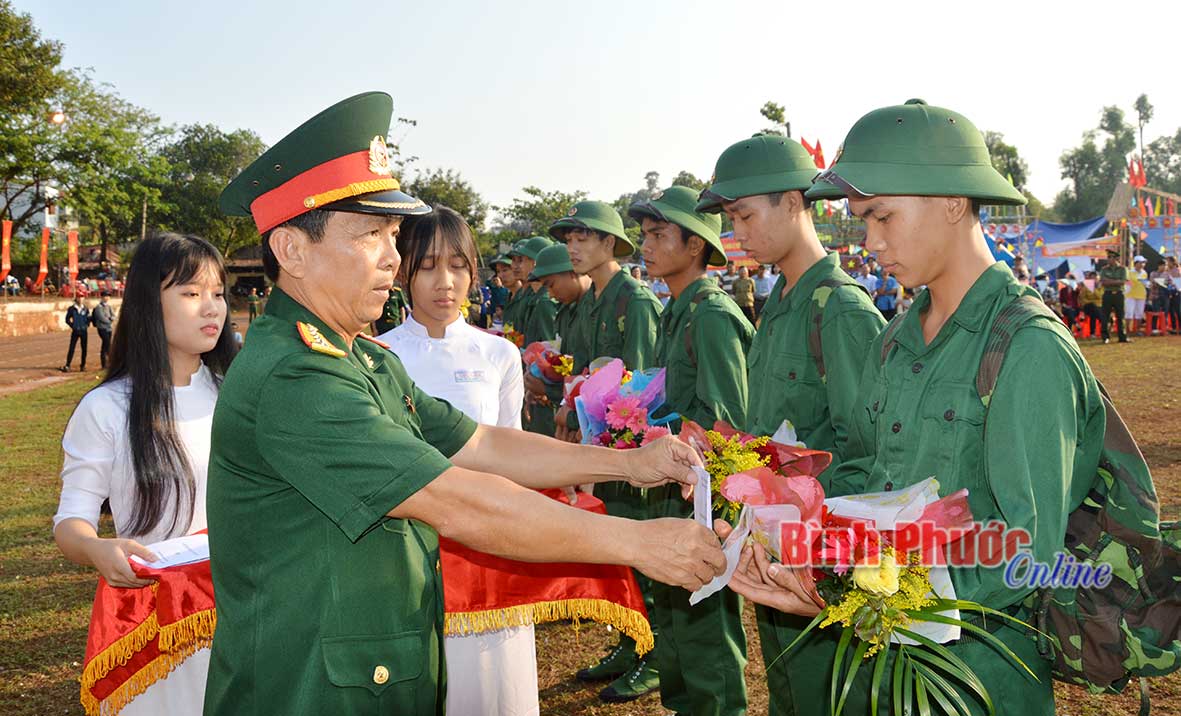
column 485, row 593
column 43, row 271
column 5, row 248
column 72, row 254
column 137, row 636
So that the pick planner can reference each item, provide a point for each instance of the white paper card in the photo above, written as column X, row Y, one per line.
column 702, row 499
column 177, row 551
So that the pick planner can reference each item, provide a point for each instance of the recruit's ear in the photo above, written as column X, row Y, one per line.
column 956, row 208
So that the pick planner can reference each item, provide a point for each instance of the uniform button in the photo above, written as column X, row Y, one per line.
column 949, row 415
column 791, row 375
column 896, row 427
column 438, row 565
column 875, row 406
column 916, row 368
column 889, row 485
column 381, row 675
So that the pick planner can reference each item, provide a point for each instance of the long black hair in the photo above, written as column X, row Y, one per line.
column 418, row 238
column 139, row 352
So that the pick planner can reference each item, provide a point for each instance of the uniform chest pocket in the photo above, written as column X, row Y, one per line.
column 804, row 399
column 953, row 414
column 373, row 662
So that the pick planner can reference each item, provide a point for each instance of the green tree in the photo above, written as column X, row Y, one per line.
column 1166, row 162
column 201, row 160
column 1094, row 170
column 447, row 187
column 1143, row 115
column 687, row 178
column 533, row 213
column 775, row 113
column 29, row 76
column 1006, row 159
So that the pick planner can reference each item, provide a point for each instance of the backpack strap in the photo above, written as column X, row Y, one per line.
column 819, row 302
column 1020, row 311
column 687, row 333
column 623, row 299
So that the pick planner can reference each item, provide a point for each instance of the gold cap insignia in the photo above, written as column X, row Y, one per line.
column 314, row 339
column 379, row 157
column 573, row 211
column 836, row 157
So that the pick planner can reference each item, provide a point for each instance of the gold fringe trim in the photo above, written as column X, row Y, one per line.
column 177, row 642
column 628, row 621
column 358, row 187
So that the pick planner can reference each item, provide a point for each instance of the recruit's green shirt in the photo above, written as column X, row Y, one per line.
column 573, row 326
column 538, row 324
column 514, row 308
column 623, row 319
column 391, row 312
column 539, row 314
column 707, row 382
column 784, row 379
column 1028, row 460
column 325, row 605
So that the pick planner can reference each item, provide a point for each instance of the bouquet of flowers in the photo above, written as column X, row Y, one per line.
column 545, row 360
column 615, row 406
column 516, row 338
column 877, row 562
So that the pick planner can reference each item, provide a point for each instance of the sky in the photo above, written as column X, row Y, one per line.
column 593, row 95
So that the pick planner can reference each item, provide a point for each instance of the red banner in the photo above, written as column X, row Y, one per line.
column 5, row 259
column 44, row 270
column 72, row 249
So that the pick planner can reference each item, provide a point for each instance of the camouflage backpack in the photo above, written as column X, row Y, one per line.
column 1100, row 637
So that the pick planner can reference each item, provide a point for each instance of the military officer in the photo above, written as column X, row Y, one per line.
column 623, row 318
column 702, row 343
column 331, row 475
column 572, row 323
column 1027, row 451
column 1113, row 277
column 805, row 362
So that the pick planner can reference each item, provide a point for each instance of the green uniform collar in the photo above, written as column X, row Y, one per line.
column 285, row 308
column 611, row 288
column 969, row 315
column 682, row 302
column 808, row 282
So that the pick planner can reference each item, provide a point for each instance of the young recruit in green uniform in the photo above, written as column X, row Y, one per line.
column 331, row 471
column 623, row 317
column 805, row 362
column 538, row 315
column 572, row 324
column 701, row 343
column 1027, row 452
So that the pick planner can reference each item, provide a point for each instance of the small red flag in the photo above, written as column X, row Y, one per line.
column 818, row 157
column 5, row 247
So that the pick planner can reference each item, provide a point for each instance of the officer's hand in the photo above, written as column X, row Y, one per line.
column 664, row 460
column 534, row 385
column 678, row 552
column 109, row 557
column 790, row 590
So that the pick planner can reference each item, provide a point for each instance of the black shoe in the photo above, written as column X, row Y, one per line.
column 65, row 369
column 616, row 663
column 643, row 679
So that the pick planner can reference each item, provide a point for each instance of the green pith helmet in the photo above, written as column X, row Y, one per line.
column 762, row 164
column 553, row 259
column 597, row 216
column 337, row 161
column 915, row 149
column 676, row 205
column 502, row 259
column 516, row 248
column 530, row 247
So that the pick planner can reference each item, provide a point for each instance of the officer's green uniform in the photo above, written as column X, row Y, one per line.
column 1113, row 299
column 325, row 605
column 623, row 319
column 391, row 312
column 572, row 322
column 784, row 374
column 539, row 313
column 701, row 343
column 1027, row 459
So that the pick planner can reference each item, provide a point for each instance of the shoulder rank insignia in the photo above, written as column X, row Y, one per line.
column 371, row 339
column 315, row 340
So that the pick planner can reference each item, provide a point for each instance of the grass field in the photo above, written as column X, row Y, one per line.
column 45, row 600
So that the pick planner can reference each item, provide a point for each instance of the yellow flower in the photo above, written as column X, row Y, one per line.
column 880, row 579
column 565, row 365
